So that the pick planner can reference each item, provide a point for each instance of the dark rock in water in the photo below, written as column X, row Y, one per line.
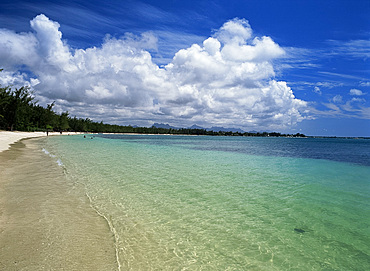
column 299, row 230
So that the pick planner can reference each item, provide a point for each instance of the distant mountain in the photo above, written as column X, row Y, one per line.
column 222, row 129
column 164, row 126
column 214, row 128
column 196, row 127
column 218, row 129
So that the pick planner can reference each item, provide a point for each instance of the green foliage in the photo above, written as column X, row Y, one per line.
column 15, row 107
column 18, row 111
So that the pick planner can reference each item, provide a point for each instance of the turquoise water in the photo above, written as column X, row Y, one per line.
column 227, row 203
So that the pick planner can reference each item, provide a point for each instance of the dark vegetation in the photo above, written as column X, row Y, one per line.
column 19, row 111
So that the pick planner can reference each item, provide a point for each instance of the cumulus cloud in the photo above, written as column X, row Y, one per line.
column 356, row 92
column 226, row 80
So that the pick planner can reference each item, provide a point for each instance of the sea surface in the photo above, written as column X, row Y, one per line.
column 225, row 203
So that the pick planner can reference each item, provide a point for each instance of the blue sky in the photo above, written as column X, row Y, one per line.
column 288, row 66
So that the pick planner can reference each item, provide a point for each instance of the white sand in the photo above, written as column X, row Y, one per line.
column 7, row 138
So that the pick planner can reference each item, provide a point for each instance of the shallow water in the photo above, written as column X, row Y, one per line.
column 224, row 203
column 46, row 223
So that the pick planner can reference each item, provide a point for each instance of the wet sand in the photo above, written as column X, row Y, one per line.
column 46, row 222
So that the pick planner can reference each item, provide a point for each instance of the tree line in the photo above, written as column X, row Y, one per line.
column 19, row 111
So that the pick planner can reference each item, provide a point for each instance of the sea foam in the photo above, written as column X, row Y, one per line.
column 58, row 161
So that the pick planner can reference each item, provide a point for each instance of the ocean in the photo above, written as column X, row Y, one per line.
column 225, row 203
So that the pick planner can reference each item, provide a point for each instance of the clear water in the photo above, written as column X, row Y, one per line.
column 46, row 222
column 227, row 203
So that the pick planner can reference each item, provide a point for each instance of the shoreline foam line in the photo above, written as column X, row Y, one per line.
column 110, row 224
column 111, row 227
column 22, row 250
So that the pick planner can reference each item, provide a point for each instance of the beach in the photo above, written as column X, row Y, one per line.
column 46, row 222
column 7, row 138
column 154, row 202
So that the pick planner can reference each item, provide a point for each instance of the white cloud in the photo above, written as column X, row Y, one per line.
column 338, row 99
column 332, row 107
column 227, row 80
column 18, row 49
column 238, row 45
column 340, row 75
column 49, row 42
column 353, row 108
column 317, row 90
column 358, row 100
column 235, row 31
column 356, row 92
column 354, row 48
column 329, row 84
column 353, row 105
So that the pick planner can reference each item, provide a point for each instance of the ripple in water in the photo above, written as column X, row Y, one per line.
column 209, row 203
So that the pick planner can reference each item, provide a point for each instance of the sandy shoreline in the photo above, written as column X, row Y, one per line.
column 7, row 138
column 46, row 221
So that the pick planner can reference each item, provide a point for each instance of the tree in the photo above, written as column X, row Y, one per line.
column 63, row 121
column 51, row 118
column 15, row 108
column 4, row 105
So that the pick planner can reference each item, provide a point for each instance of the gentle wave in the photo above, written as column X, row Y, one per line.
column 58, row 161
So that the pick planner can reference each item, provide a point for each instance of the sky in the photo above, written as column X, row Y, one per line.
column 285, row 66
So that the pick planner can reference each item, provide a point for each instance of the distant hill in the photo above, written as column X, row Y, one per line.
column 164, row 126
column 223, row 129
column 197, row 127
column 214, row 128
